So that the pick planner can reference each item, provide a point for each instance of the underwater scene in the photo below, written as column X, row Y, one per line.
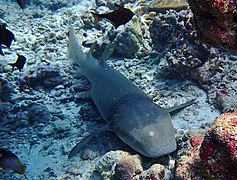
column 118, row 89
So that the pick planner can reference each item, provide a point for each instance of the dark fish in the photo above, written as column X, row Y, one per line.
column 20, row 62
column 118, row 17
column 8, row 160
column 6, row 37
column 22, row 3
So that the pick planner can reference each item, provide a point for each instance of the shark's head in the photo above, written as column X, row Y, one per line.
column 145, row 127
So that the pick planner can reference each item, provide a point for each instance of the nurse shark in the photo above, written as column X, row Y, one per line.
column 130, row 113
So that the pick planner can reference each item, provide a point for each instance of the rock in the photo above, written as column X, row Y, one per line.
column 5, row 110
column 227, row 102
column 107, row 3
column 129, row 40
column 215, row 155
column 178, row 44
column 128, row 167
column 46, row 132
column 121, row 165
column 51, row 4
column 38, row 113
column 155, row 172
column 215, row 22
column 162, row 30
column 88, row 154
column 218, row 151
column 1, row 13
column 189, row 166
column 60, row 128
column 5, row 89
column 60, row 125
column 44, row 74
column 89, row 112
column 107, row 163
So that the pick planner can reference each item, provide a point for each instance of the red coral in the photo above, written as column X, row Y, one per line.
column 218, row 151
column 224, row 6
column 220, row 5
column 220, row 93
column 234, row 121
column 127, row 168
column 215, row 22
column 196, row 141
column 207, row 149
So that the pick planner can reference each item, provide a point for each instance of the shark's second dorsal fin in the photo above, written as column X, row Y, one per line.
column 76, row 149
column 181, row 106
column 107, row 52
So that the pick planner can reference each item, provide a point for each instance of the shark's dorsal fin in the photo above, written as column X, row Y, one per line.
column 107, row 52
column 92, row 48
column 76, row 149
column 181, row 106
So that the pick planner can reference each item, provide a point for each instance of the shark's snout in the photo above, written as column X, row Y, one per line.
column 146, row 127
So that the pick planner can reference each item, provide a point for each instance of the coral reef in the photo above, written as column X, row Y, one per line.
column 38, row 113
column 128, row 167
column 225, row 94
column 215, row 22
column 212, row 156
column 107, row 163
column 131, row 39
column 189, row 166
column 46, row 80
column 173, row 36
column 218, row 151
column 121, row 165
column 167, row 4
column 110, row 3
column 214, row 71
column 155, row 172
column 226, row 102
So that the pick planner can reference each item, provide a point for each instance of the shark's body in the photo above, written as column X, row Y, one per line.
column 130, row 113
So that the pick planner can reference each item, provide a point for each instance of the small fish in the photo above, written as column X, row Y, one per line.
column 22, row 3
column 8, row 160
column 117, row 17
column 6, row 37
column 20, row 62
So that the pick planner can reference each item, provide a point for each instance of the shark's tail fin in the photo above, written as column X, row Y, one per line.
column 76, row 149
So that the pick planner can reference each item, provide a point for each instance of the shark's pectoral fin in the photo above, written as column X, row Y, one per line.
column 181, row 106
column 107, row 52
column 76, row 149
